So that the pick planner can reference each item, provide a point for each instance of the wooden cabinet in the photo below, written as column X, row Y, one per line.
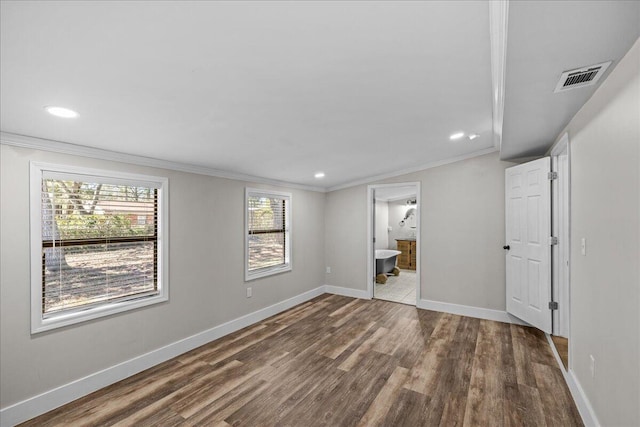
column 407, row 259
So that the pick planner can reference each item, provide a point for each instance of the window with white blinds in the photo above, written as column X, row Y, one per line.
column 98, row 241
column 268, row 233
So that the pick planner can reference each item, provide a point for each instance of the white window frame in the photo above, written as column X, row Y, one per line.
column 38, row 322
column 288, row 265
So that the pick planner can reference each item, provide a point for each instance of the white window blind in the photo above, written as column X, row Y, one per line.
column 268, row 237
column 100, row 244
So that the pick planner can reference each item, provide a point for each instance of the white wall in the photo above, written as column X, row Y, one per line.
column 462, row 233
column 345, row 237
column 604, row 139
column 382, row 222
column 207, row 285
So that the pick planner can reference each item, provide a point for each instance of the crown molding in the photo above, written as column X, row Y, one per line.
column 422, row 167
column 498, row 20
column 43, row 144
column 31, row 142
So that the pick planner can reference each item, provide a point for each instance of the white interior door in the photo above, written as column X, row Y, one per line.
column 528, row 242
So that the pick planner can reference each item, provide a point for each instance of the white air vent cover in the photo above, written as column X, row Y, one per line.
column 581, row 77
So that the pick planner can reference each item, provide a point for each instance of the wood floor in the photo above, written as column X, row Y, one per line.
column 338, row 361
column 562, row 347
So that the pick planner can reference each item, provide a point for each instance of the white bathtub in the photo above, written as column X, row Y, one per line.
column 386, row 260
column 386, row 253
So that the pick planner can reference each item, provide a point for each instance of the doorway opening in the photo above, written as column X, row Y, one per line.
column 537, row 205
column 393, row 243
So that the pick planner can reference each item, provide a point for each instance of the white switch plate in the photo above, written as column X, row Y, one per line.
column 583, row 246
column 249, row 292
column 328, row 270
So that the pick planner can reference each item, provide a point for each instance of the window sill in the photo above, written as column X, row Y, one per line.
column 66, row 319
column 266, row 272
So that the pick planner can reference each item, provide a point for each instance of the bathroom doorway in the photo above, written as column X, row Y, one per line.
column 394, row 242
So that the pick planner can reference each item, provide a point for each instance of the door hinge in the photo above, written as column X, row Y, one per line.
column 553, row 305
column 552, row 175
column 553, row 240
column 374, row 240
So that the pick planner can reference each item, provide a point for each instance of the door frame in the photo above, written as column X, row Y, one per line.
column 561, row 227
column 371, row 232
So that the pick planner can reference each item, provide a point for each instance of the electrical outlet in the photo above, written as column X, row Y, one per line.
column 328, row 270
column 583, row 246
column 592, row 366
column 249, row 292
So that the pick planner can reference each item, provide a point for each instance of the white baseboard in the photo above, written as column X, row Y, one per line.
column 587, row 413
column 37, row 405
column 577, row 392
column 347, row 292
column 469, row 311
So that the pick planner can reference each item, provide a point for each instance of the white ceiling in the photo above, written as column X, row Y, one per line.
column 544, row 39
column 281, row 90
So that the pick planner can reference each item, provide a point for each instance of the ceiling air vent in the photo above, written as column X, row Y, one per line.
column 580, row 77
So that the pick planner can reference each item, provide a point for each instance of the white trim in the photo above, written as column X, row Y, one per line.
column 37, row 171
column 469, row 311
column 559, row 147
column 498, row 25
column 560, row 210
column 396, row 199
column 347, row 292
column 288, row 241
column 98, row 153
column 422, row 167
column 585, row 409
column 371, row 250
column 49, row 400
column 371, row 231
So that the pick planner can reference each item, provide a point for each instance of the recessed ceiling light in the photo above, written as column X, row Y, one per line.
column 473, row 136
column 456, row 135
column 319, row 175
column 61, row 112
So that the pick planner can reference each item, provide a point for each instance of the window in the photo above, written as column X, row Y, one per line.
column 267, row 232
column 91, row 254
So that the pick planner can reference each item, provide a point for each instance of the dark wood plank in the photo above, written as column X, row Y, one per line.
column 379, row 408
column 486, row 390
column 406, row 410
column 522, row 357
column 523, row 407
column 562, row 347
column 337, row 361
column 556, row 400
column 426, row 371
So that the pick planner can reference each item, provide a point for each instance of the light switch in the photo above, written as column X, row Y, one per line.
column 583, row 246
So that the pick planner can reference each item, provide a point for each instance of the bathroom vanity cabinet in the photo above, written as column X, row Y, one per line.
column 407, row 259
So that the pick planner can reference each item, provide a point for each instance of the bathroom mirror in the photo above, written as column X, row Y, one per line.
column 409, row 218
